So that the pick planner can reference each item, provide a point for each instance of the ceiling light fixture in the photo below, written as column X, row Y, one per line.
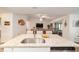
column 41, row 19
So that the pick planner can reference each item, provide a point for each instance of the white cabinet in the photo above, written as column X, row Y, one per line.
column 27, row 49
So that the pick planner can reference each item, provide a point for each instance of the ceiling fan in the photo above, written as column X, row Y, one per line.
column 42, row 17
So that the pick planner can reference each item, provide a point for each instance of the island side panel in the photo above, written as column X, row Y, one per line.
column 27, row 49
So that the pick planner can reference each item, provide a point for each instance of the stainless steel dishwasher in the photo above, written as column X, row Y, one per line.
column 62, row 49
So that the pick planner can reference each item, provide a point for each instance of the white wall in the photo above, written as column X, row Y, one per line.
column 65, row 29
column 18, row 29
column 73, row 31
column 6, row 31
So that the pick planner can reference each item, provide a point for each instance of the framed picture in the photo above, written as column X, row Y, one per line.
column 21, row 22
column 7, row 23
column 75, row 23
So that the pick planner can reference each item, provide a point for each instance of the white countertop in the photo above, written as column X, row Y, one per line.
column 53, row 41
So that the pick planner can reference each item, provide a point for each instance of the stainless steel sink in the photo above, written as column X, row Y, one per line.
column 28, row 40
column 32, row 40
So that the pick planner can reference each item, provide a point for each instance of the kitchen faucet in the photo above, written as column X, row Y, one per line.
column 34, row 31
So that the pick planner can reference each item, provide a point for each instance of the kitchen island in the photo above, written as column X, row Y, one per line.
column 15, row 45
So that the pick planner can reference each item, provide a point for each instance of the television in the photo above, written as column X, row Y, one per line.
column 77, row 23
column 39, row 25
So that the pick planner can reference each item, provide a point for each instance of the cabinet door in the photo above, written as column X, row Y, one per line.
column 31, row 49
column 26, row 49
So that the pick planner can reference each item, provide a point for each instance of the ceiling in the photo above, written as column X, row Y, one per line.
column 50, row 11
